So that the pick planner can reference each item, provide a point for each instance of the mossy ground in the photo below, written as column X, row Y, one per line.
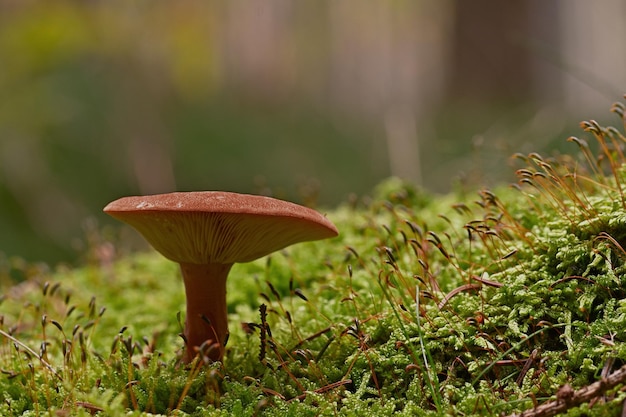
column 472, row 303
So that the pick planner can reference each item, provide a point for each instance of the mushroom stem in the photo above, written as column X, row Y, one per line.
column 207, row 320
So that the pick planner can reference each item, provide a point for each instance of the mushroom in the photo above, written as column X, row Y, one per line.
column 206, row 232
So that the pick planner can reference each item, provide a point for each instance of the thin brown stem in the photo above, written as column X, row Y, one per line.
column 206, row 324
column 567, row 398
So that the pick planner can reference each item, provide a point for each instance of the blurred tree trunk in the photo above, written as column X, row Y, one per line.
column 491, row 57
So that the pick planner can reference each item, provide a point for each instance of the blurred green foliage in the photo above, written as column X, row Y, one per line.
column 100, row 100
column 104, row 99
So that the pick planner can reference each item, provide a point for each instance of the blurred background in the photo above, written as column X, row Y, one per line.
column 311, row 100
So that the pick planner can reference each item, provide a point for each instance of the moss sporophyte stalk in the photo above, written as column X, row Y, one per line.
column 509, row 301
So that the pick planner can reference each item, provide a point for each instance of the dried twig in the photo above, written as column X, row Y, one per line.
column 567, row 398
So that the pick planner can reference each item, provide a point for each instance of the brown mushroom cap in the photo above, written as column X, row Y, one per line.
column 219, row 227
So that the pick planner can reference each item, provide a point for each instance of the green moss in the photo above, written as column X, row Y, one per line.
column 424, row 305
